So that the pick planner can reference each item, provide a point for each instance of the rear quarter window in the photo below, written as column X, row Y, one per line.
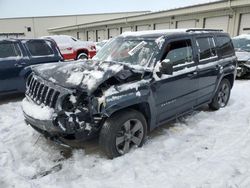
column 225, row 46
column 39, row 48
column 206, row 47
column 9, row 49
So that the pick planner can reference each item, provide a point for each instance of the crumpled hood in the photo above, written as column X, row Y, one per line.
column 243, row 56
column 78, row 74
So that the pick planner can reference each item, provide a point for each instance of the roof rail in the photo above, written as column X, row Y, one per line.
column 193, row 30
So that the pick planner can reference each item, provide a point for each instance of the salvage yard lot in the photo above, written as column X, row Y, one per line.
column 207, row 149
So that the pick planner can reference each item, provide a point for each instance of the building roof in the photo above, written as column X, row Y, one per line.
column 220, row 4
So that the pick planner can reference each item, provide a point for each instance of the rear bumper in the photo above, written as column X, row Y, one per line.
column 91, row 54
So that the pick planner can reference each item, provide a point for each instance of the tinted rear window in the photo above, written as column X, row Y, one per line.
column 225, row 46
column 206, row 46
column 39, row 48
column 9, row 49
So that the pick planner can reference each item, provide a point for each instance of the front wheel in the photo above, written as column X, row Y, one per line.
column 222, row 95
column 121, row 132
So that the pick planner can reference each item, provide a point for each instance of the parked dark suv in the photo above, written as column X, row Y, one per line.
column 16, row 55
column 138, row 81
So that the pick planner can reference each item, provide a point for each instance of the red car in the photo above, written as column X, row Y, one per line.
column 71, row 48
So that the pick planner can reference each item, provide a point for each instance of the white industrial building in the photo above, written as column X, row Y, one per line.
column 233, row 16
column 31, row 27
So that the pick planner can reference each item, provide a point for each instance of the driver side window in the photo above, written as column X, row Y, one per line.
column 179, row 53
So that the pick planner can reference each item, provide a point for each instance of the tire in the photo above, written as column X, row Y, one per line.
column 121, row 132
column 221, row 96
column 82, row 56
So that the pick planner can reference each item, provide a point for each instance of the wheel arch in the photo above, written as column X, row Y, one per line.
column 82, row 50
column 142, row 107
column 230, row 78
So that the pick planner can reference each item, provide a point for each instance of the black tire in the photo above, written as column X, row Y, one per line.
column 82, row 56
column 115, row 139
column 221, row 96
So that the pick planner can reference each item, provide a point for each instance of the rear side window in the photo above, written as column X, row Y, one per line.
column 206, row 46
column 39, row 48
column 9, row 49
column 225, row 46
column 179, row 52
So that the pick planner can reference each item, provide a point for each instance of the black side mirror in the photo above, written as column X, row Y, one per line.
column 166, row 67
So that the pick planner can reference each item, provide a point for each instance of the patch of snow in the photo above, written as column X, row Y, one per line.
column 92, row 78
column 39, row 112
column 243, row 36
column 46, row 66
column 52, row 80
column 72, row 99
column 184, row 64
column 140, row 33
column 125, row 87
column 207, row 149
column 75, row 78
column 138, row 94
column 11, row 58
column 243, row 56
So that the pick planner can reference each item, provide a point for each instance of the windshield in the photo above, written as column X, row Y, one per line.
column 132, row 51
column 242, row 44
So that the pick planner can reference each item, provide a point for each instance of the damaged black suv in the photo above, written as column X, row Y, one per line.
column 138, row 81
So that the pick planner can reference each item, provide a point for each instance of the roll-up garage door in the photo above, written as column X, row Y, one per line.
column 220, row 22
column 91, row 35
column 245, row 24
column 114, row 32
column 125, row 29
column 186, row 24
column 162, row 26
column 101, row 35
column 142, row 27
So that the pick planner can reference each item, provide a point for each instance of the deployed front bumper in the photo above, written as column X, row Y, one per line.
column 52, row 130
column 55, row 133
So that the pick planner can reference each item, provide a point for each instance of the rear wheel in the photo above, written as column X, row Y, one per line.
column 121, row 132
column 222, row 95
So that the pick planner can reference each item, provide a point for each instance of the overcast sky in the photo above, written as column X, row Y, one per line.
column 23, row 8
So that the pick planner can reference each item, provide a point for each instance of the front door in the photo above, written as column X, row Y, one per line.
column 11, row 64
column 177, row 93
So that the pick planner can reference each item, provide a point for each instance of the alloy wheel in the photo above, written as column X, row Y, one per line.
column 131, row 134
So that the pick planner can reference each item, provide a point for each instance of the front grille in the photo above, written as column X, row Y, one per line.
column 41, row 93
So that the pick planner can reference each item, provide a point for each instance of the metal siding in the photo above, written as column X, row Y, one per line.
column 142, row 27
column 186, row 24
column 91, row 35
column 245, row 24
column 220, row 22
column 162, row 26
column 114, row 32
column 125, row 29
column 100, row 35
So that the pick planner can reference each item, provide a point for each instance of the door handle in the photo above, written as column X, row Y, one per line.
column 22, row 64
column 193, row 74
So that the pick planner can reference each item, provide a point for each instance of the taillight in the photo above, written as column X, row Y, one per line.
column 93, row 48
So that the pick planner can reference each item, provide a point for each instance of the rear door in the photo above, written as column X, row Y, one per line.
column 42, row 51
column 177, row 93
column 11, row 64
column 208, row 67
